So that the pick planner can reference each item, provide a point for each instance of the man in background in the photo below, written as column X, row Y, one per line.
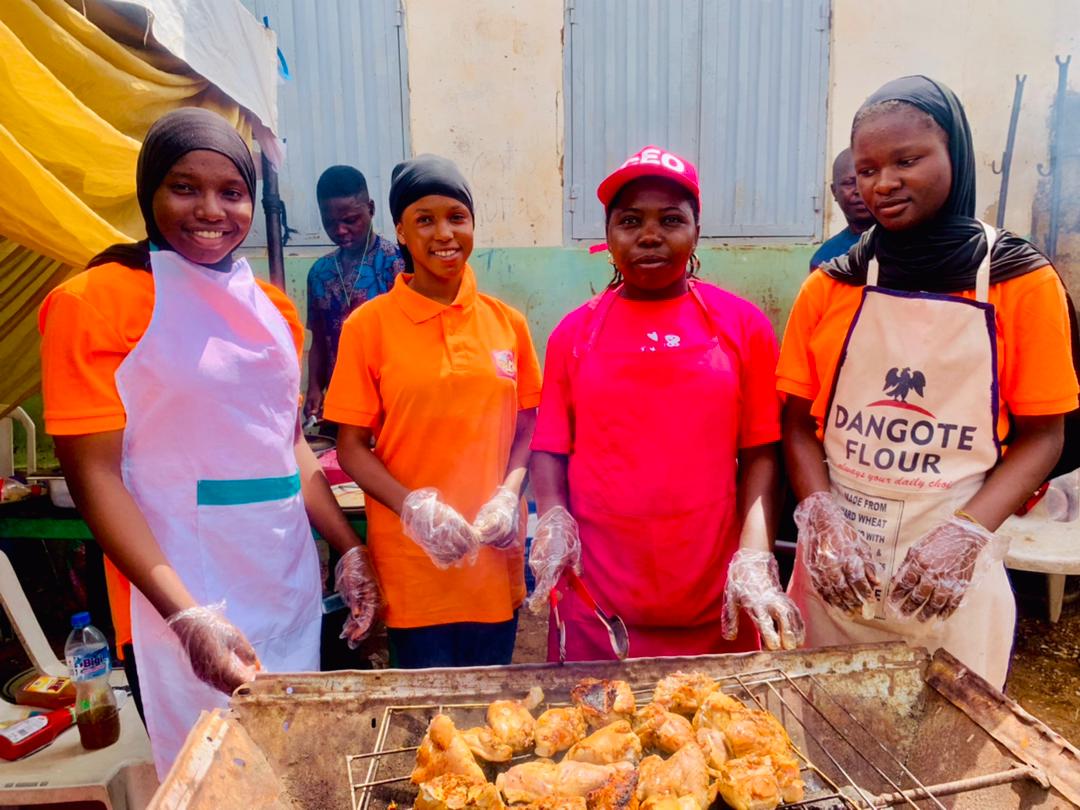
column 363, row 265
column 858, row 216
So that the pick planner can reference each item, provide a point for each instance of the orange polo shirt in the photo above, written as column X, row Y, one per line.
column 89, row 324
column 441, row 386
column 1034, row 352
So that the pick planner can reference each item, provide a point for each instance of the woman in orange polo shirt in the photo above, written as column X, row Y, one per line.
column 446, row 381
column 907, row 365
column 171, row 379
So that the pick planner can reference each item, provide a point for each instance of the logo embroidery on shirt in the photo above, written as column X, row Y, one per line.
column 505, row 364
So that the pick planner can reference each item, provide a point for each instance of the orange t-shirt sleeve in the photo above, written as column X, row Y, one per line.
column 529, row 376
column 81, row 350
column 796, row 371
column 1038, row 377
column 353, row 397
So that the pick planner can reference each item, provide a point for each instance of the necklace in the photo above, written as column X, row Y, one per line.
column 346, row 289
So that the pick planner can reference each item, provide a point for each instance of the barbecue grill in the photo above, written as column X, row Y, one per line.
column 881, row 725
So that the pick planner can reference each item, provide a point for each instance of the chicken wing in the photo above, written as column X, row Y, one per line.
column 444, row 751
column 603, row 702
column 619, row 792
column 539, row 779
column 662, row 730
column 756, row 732
column 713, row 745
column 455, row 792
column 683, row 692
column 512, row 720
column 613, row 743
column 558, row 729
column 485, row 745
column 670, row 803
column 786, row 770
column 717, row 710
column 748, row 783
column 682, row 774
column 529, row 781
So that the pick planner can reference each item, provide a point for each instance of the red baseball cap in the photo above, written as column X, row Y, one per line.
column 652, row 161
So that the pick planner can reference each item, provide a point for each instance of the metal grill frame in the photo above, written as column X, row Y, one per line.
column 749, row 687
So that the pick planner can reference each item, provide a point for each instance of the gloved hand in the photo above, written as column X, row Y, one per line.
column 753, row 584
column 555, row 547
column 496, row 523
column 941, row 567
column 438, row 529
column 840, row 562
column 219, row 653
column 355, row 580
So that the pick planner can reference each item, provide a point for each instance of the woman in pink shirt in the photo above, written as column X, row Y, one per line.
column 654, row 457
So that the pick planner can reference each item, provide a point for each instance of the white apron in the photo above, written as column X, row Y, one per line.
column 910, row 435
column 210, row 393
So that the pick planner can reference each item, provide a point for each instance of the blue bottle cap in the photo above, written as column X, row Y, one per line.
column 80, row 620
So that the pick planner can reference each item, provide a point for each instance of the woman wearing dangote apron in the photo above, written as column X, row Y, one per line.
column 907, row 364
column 171, row 379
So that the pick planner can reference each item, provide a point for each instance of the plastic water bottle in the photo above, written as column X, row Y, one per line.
column 96, row 713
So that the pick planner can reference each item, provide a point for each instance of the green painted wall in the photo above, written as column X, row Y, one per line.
column 546, row 283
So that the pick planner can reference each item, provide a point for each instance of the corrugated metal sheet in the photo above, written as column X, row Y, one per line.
column 345, row 103
column 737, row 86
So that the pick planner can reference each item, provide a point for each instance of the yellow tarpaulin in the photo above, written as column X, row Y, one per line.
column 75, row 104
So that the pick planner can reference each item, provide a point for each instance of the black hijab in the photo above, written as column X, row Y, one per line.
column 170, row 138
column 941, row 255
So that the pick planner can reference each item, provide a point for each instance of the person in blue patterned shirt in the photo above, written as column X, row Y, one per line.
column 363, row 266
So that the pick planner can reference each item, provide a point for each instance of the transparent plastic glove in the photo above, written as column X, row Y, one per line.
column 941, row 567
column 438, row 529
column 496, row 523
column 555, row 548
column 354, row 579
column 219, row 653
column 753, row 584
column 840, row 562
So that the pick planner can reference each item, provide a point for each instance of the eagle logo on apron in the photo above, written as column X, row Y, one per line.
column 899, row 383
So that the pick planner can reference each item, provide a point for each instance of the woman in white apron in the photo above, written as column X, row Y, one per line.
column 187, row 463
column 926, row 375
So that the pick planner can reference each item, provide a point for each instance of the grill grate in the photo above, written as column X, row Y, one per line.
column 825, row 734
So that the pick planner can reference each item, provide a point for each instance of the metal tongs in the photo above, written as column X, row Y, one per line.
column 616, row 628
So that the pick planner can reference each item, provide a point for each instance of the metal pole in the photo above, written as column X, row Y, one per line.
column 272, row 207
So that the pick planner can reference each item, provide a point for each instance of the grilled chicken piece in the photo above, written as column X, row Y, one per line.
column 683, row 774
column 484, row 744
column 684, row 692
column 455, row 792
column 713, row 745
column 512, row 720
column 662, row 730
column 528, row 782
column 619, row 792
column 540, row 779
column 444, row 751
column 555, row 803
column 756, row 732
column 748, row 783
column 786, row 771
column 717, row 710
column 670, row 803
column 558, row 729
column 603, row 702
column 613, row 743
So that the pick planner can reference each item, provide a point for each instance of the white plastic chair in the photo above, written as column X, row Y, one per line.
column 121, row 777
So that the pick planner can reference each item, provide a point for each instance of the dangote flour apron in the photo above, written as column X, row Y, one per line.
column 910, row 435
column 210, row 396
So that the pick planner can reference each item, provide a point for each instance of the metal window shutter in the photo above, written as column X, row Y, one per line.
column 345, row 103
column 737, row 86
